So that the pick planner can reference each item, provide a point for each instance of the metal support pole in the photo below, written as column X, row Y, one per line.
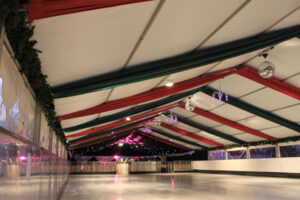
column 248, row 153
column 37, row 125
column 277, row 151
column 226, row 154
column 50, row 140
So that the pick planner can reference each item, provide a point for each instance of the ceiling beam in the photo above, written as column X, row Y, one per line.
column 111, row 134
column 176, row 64
column 256, row 111
column 209, row 130
column 191, row 135
column 148, row 96
column 272, row 83
column 232, row 124
column 118, row 123
column 160, row 132
column 164, row 141
column 91, row 136
column 100, row 140
column 132, row 111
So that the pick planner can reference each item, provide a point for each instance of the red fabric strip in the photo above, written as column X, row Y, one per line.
column 98, row 142
column 231, row 124
column 164, row 141
column 273, row 83
column 147, row 96
column 191, row 135
column 102, row 136
column 119, row 123
column 38, row 9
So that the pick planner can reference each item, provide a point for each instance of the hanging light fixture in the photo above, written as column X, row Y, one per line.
column 189, row 105
column 219, row 94
column 147, row 129
column 171, row 118
column 266, row 69
column 157, row 121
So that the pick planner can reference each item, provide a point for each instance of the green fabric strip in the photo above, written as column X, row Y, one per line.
column 132, row 111
column 175, row 64
column 209, row 130
column 109, row 130
column 256, row 111
column 177, row 138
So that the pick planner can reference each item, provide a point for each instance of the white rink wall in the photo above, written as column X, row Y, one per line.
column 280, row 165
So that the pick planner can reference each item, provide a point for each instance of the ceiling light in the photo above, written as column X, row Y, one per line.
column 169, row 83
column 266, row 69
column 120, row 144
column 189, row 105
column 127, row 118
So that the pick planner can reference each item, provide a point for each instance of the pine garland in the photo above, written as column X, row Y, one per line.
column 13, row 14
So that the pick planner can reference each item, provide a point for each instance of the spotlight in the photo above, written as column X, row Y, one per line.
column 128, row 118
column 120, row 144
column 169, row 83
column 189, row 105
column 266, row 69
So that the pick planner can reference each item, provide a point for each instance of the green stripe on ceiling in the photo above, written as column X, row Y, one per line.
column 102, row 139
column 209, row 130
column 132, row 111
column 175, row 64
column 256, row 111
column 160, row 132
column 93, row 135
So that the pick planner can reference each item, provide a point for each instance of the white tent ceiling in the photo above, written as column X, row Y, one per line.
column 81, row 45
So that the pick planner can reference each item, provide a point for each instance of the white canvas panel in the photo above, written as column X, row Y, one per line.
column 269, row 99
column 181, row 26
column 253, row 19
column 85, row 44
column 80, row 102
column 231, row 113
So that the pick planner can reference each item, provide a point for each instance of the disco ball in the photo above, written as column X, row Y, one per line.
column 189, row 106
column 157, row 121
column 266, row 69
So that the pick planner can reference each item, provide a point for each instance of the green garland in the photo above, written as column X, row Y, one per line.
column 13, row 14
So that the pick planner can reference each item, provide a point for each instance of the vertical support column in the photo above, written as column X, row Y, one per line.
column 277, row 150
column 226, row 154
column 37, row 125
column 208, row 158
column 50, row 140
column 248, row 153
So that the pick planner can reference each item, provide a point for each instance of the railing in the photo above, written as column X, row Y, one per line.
column 136, row 166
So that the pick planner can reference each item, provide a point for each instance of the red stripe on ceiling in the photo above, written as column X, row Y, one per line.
column 38, row 9
column 102, row 136
column 191, row 135
column 119, row 123
column 147, row 96
column 231, row 124
column 164, row 141
column 273, row 83
column 98, row 142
